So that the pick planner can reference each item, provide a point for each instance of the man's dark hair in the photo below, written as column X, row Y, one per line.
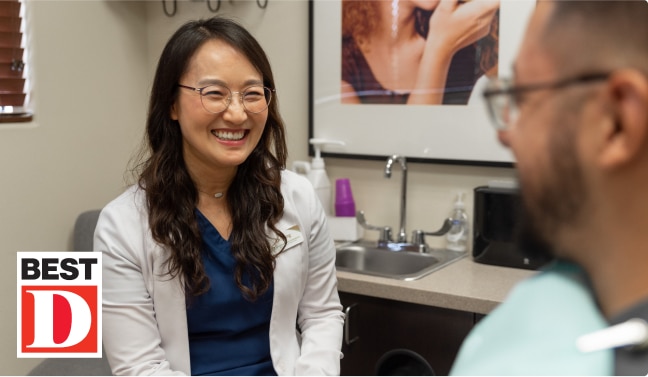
column 598, row 35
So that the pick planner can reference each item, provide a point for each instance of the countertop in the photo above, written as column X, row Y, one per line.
column 463, row 285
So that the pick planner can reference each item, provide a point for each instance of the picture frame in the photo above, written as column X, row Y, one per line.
column 442, row 134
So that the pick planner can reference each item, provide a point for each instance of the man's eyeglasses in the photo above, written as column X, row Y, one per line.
column 502, row 97
column 216, row 98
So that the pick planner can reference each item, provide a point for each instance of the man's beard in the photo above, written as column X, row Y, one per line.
column 556, row 205
column 529, row 240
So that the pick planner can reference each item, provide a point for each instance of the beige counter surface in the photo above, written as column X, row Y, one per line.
column 463, row 285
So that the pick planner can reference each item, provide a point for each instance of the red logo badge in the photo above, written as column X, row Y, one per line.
column 59, row 304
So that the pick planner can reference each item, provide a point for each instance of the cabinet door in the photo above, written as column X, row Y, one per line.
column 376, row 326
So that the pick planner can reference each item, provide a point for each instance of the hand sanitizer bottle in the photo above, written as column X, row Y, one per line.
column 315, row 171
column 457, row 236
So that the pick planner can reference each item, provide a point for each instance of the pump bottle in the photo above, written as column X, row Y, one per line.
column 316, row 173
column 457, row 236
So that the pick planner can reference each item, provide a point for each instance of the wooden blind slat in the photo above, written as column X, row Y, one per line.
column 8, row 54
column 10, row 24
column 10, row 39
column 9, row 8
column 13, row 85
column 6, row 71
column 16, row 117
column 12, row 99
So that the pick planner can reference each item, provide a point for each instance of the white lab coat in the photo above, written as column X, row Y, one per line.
column 144, row 313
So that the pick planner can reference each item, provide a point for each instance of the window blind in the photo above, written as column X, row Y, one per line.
column 12, row 65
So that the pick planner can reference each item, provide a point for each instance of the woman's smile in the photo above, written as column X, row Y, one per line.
column 230, row 135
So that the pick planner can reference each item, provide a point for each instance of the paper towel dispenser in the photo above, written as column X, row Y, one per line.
column 495, row 221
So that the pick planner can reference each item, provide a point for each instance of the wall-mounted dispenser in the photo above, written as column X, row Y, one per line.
column 316, row 173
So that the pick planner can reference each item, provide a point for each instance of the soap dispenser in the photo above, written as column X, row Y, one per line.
column 316, row 172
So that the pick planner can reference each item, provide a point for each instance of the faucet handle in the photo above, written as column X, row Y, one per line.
column 418, row 236
column 385, row 231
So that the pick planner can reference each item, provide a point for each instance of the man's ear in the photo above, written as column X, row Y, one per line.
column 627, row 91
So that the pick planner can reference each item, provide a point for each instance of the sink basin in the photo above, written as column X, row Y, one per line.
column 395, row 262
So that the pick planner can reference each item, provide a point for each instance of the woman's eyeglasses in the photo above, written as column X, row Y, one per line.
column 216, row 98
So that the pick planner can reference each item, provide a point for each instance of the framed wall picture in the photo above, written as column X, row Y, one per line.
column 377, row 84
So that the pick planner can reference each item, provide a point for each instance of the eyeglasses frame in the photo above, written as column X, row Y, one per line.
column 519, row 89
column 229, row 99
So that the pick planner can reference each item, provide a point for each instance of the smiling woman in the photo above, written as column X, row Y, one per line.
column 196, row 255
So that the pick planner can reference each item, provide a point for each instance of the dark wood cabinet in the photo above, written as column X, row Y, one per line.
column 376, row 326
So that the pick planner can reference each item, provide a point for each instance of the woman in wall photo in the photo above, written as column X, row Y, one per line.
column 218, row 261
column 416, row 51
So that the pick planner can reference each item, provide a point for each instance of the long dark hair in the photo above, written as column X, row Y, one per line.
column 255, row 193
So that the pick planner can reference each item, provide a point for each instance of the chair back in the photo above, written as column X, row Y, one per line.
column 84, row 228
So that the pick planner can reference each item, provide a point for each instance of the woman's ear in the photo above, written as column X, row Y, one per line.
column 627, row 91
column 174, row 113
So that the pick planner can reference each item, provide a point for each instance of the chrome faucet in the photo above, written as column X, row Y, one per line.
column 385, row 237
column 418, row 236
column 402, row 235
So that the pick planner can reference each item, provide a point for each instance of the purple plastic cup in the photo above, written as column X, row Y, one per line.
column 344, row 204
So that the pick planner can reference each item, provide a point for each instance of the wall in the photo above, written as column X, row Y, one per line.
column 91, row 79
column 93, row 61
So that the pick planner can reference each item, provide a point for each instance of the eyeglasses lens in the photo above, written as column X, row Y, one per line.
column 501, row 103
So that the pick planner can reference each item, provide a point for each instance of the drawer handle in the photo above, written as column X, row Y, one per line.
column 347, row 325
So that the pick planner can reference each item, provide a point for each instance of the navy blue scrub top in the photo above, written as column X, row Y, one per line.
column 228, row 335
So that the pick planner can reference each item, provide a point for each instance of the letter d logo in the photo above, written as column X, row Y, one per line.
column 79, row 323
column 59, row 321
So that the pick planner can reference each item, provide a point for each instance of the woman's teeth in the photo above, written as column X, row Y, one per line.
column 228, row 135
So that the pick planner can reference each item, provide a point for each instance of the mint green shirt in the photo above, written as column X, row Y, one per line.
column 534, row 331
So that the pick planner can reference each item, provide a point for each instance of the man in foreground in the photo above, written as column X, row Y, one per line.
column 576, row 117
